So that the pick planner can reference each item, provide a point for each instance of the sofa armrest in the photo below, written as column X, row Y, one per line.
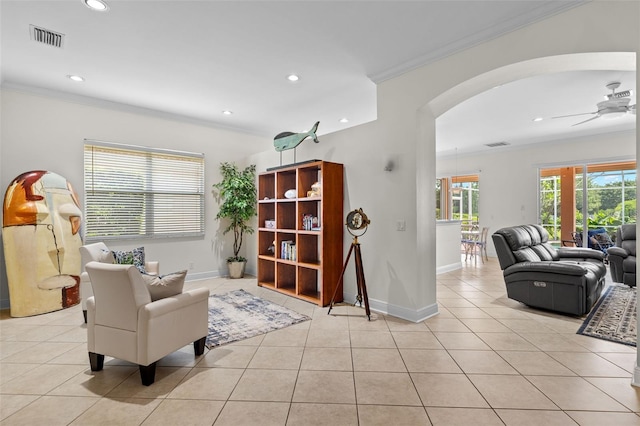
column 152, row 267
column 550, row 266
column 618, row 251
column 579, row 253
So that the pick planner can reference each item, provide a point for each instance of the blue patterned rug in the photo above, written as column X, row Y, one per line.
column 613, row 317
column 238, row 315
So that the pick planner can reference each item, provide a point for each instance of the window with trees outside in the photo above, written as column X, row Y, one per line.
column 457, row 198
column 610, row 199
column 139, row 192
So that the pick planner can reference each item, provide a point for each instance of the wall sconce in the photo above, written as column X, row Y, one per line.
column 391, row 162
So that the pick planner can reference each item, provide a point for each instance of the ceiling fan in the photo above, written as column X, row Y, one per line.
column 615, row 105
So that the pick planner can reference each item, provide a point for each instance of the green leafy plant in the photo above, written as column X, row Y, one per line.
column 238, row 196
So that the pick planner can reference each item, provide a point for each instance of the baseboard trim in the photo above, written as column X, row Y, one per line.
column 448, row 268
column 196, row 276
column 413, row 315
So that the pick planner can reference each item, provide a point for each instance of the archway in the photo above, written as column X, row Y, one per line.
column 428, row 114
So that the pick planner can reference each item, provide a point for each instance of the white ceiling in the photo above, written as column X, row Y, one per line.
column 506, row 113
column 194, row 59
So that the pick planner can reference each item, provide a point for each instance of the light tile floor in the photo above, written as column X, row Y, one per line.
column 484, row 360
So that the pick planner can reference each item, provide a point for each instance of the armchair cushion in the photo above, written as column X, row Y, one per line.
column 166, row 285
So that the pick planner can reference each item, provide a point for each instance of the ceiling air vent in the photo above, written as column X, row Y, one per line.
column 496, row 144
column 45, row 36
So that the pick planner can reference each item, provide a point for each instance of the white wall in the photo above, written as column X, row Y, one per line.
column 386, row 197
column 41, row 132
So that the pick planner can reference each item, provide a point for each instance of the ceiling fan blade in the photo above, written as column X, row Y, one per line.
column 582, row 122
column 574, row 115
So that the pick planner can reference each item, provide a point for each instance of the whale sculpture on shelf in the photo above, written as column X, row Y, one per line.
column 290, row 140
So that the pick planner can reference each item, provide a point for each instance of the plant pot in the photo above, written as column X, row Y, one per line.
column 236, row 269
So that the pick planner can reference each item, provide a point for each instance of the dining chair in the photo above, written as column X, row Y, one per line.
column 481, row 245
column 476, row 245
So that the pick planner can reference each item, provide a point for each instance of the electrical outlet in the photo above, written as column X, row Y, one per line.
column 191, row 265
column 401, row 225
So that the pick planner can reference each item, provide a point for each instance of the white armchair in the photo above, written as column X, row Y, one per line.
column 99, row 252
column 124, row 323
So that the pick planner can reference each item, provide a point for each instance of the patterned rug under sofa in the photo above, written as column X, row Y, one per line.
column 613, row 317
column 238, row 315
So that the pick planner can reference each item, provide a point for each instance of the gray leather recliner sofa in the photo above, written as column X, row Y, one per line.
column 566, row 279
column 622, row 257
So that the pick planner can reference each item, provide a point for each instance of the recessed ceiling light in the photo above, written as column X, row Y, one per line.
column 227, row 112
column 75, row 78
column 293, row 77
column 538, row 119
column 344, row 120
column 98, row 5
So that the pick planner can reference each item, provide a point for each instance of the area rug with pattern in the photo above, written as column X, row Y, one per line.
column 613, row 317
column 238, row 315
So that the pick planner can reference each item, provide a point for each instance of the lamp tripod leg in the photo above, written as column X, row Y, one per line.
column 344, row 268
column 362, row 286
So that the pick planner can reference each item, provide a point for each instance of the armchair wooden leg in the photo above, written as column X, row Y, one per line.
column 148, row 373
column 96, row 361
column 198, row 346
column 84, row 313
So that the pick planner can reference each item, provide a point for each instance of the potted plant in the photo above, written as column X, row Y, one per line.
column 238, row 196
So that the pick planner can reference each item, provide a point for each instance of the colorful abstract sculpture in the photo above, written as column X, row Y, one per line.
column 42, row 238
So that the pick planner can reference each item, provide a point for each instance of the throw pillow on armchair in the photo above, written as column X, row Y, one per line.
column 166, row 285
column 133, row 257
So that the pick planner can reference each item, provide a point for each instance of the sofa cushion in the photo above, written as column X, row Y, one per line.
column 516, row 237
column 134, row 257
column 544, row 252
column 166, row 285
column 526, row 254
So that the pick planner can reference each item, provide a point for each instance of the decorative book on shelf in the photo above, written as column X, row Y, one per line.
column 300, row 244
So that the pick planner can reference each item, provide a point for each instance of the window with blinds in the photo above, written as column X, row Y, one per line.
column 137, row 192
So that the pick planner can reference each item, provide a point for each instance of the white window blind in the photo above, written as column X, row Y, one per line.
column 134, row 192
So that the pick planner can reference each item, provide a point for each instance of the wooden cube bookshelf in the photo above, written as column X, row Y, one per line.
column 310, row 228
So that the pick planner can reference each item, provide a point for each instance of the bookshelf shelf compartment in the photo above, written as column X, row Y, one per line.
column 308, row 231
column 266, row 275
